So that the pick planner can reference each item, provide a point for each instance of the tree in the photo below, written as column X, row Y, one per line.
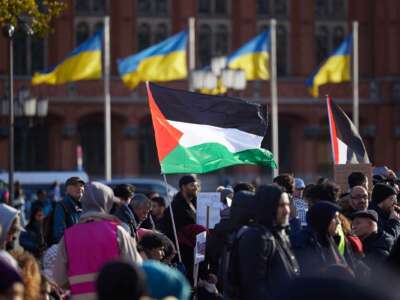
column 37, row 15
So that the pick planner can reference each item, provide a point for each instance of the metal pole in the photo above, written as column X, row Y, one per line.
column 355, row 75
column 192, row 50
column 172, row 219
column 107, row 100
column 11, row 119
column 274, row 98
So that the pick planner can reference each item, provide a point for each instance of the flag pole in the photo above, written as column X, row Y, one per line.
column 192, row 51
column 172, row 218
column 274, row 98
column 329, row 110
column 355, row 76
column 107, row 100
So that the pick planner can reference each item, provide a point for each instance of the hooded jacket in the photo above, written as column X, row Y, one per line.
column 7, row 217
column 97, row 201
column 265, row 259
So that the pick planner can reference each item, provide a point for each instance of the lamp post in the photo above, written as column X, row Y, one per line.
column 8, row 32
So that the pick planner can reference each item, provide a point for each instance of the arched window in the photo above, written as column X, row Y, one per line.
column 144, row 7
column 144, row 36
column 82, row 32
column 281, row 39
column 20, row 56
column 263, row 7
column 205, row 45
column 161, row 7
column 99, row 26
column 204, row 6
column 221, row 40
column 38, row 52
column 322, row 43
column 338, row 36
column 161, row 33
column 221, row 7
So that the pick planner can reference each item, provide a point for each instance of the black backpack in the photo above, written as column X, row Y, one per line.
column 232, row 284
column 49, row 223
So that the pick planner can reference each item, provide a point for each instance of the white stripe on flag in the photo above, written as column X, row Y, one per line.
column 233, row 139
column 342, row 152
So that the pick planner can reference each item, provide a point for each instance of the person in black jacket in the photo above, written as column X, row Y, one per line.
column 264, row 258
column 383, row 201
column 121, row 210
column 316, row 248
column 376, row 244
column 32, row 239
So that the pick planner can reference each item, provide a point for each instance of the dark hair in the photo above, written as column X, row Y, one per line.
column 327, row 191
column 169, row 247
column 36, row 207
column 120, row 280
column 356, row 178
column 124, row 191
column 243, row 186
column 159, row 200
column 150, row 241
column 286, row 181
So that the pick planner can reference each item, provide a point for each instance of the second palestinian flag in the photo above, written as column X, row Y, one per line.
column 347, row 144
column 197, row 133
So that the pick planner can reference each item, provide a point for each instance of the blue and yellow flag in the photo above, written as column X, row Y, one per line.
column 252, row 57
column 164, row 61
column 83, row 63
column 335, row 69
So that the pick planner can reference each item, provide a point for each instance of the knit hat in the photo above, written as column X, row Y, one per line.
column 164, row 281
column 370, row 214
column 186, row 179
column 381, row 191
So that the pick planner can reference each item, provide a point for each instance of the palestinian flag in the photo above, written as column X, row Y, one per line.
column 197, row 133
column 347, row 145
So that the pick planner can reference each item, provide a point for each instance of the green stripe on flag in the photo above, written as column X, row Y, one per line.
column 209, row 157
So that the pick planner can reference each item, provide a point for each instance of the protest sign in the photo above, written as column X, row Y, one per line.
column 208, row 209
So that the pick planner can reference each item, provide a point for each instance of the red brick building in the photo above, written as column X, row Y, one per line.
column 307, row 31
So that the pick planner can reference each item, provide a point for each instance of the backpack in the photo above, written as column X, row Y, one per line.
column 49, row 223
column 232, row 284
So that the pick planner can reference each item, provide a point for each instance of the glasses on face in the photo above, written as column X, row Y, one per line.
column 359, row 197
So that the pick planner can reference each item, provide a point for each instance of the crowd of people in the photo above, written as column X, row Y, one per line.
column 283, row 240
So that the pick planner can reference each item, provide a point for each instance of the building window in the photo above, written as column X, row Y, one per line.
column 213, row 7
column 205, row 45
column 161, row 33
column 82, row 32
column 272, row 8
column 29, row 54
column 86, row 27
column 221, row 40
column 282, row 48
column 155, row 8
column 90, row 7
column 331, row 26
column 144, row 36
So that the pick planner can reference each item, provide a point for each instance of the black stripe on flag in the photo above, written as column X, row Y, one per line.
column 348, row 134
column 218, row 111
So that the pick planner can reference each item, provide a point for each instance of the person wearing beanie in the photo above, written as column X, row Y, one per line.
column 95, row 240
column 384, row 202
column 316, row 249
column 164, row 281
column 184, row 206
column 376, row 245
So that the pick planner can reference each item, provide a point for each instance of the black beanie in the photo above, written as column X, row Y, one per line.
column 381, row 191
column 186, row 179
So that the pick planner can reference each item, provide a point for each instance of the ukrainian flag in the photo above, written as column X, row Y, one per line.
column 164, row 61
column 252, row 58
column 83, row 63
column 335, row 69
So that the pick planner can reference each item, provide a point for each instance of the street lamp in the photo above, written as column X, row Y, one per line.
column 217, row 74
column 8, row 32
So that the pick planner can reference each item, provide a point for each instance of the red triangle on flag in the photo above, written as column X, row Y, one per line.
column 167, row 136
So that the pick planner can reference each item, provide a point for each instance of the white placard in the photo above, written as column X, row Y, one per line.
column 208, row 209
column 200, row 250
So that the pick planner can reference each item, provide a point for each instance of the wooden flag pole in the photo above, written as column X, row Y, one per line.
column 172, row 219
